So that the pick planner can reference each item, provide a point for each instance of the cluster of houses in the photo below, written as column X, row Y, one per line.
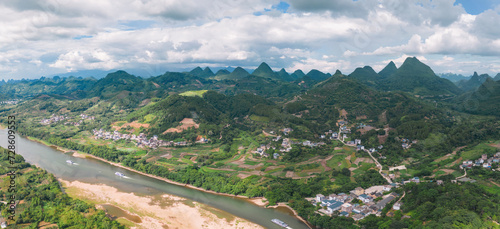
column 53, row 119
column 141, row 139
column 286, row 146
column 406, row 143
column 483, row 161
column 56, row 118
column 77, row 123
column 84, row 116
column 344, row 205
column 10, row 102
column 333, row 135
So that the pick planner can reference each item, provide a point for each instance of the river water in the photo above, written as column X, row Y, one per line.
column 97, row 172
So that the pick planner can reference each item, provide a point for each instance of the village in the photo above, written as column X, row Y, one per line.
column 141, row 139
column 57, row 118
column 359, row 203
column 484, row 161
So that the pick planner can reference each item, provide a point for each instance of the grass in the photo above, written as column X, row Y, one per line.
column 489, row 187
column 140, row 153
column 126, row 222
column 438, row 173
column 187, row 161
column 148, row 118
column 334, row 162
column 363, row 166
column 457, row 173
column 251, row 162
column 476, row 151
column 259, row 118
column 194, row 93
column 209, row 170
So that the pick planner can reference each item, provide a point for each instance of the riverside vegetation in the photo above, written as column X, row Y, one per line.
column 41, row 202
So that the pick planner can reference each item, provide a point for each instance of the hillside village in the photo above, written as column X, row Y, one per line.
column 370, row 201
column 484, row 161
column 141, row 140
column 57, row 118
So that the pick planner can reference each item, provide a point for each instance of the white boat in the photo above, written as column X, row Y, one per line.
column 119, row 174
column 279, row 222
column 70, row 162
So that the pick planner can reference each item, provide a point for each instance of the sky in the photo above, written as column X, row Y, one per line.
column 48, row 37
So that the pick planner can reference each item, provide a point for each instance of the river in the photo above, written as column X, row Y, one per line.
column 93, row 171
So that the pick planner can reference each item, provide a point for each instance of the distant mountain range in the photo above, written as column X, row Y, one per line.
column 453, row 77
column 412, row 76
column 473, row 83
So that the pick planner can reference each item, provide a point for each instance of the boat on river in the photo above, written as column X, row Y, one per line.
column 119, row 174
column 281, row 223
column 70, row 162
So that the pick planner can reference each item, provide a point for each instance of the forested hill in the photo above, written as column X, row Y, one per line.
column 55, row 85
column 473, row 83
column 485, row 100
column 322, row 104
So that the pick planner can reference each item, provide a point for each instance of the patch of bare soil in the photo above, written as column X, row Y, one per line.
column 363, row 159
column 457, row 161
column 448, row 171
column 495, row 183
column 310, row 161
column 133, row 124
column 343, row 113
column 383, row 117
column 383, row 138
column 144, row 102
column 243, row 175
column 366, row 129
column 495, row 145
column 43, row 225
column 449, row 155
column 361, row 117
column 250, row 166
column 167, row 155
column 185, row 124
column 274, row 167
column 323, row 163
column 267, row 134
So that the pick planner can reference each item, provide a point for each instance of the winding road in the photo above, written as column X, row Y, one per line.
column 379, row 166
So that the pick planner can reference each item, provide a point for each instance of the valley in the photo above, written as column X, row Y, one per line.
column 340, row 150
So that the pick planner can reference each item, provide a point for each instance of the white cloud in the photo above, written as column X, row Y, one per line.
column 322, row 65
column 54, row 36
column 96, row 59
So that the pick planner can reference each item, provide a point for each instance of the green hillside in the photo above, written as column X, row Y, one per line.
column 416, row 77
column 366, row 75
column 265, row 71
column 485, row 100
column 388, row 70
column 473, row 83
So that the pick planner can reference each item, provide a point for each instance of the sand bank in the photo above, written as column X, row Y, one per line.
column 180, row 213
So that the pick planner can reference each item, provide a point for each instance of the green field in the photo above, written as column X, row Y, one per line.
column 476, row 151
column 194, row 93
